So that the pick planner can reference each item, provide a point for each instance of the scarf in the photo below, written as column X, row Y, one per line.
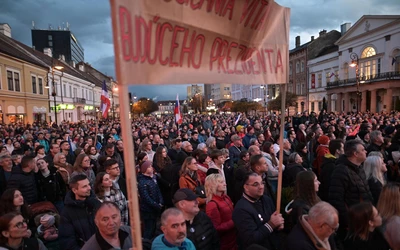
column 318, row 243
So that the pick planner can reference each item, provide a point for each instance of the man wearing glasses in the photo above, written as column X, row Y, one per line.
column 255, row 216
column 315, row 230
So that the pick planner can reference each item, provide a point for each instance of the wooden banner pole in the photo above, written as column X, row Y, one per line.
column 282, row 130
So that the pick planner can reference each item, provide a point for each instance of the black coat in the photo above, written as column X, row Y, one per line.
column 376, row 187
column 77, row 222
column 298, row 239
column 348, row 187
column 327, row 167
column 51, row 188
column 25, row 183
column 169, row 182
column 375, row 241
column 202, row 232
column 3, row 181
column 290, row 173
column 249, row 218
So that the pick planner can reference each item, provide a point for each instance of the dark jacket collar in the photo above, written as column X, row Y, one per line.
column 104, row 245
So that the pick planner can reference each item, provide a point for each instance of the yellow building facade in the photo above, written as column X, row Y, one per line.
column 23, row 93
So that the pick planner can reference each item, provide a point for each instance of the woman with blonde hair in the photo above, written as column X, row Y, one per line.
column 389, row 208
column 63, row 167
column 189, row 179
column 374, row 168
column 220, row 208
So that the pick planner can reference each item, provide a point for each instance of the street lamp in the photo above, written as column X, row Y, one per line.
column 53, row 92
column 355, row 62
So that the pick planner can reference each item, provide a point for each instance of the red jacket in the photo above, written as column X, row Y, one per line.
column 322, row 150
column 220, row 210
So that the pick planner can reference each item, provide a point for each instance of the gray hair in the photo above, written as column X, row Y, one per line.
column 210, row 141
column 173, row 211
column 372, row 168
column 292, row 158
column 253, row 141
column 185, row 143
column 201, row 146
column 322, row 212
column 224, row 151
column 374, row 135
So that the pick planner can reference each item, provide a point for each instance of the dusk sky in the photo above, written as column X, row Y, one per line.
column 90, row 22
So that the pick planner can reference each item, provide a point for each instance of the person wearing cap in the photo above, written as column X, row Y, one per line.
column 151, row 201
column 199, row 227
column 250, row 134
column 322, row 150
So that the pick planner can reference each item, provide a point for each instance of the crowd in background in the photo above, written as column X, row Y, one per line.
column 208, row 183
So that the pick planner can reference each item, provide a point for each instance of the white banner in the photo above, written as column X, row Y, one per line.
column 208, row 41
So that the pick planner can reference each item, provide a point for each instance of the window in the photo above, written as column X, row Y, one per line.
column 368, row 52
column 303, row 89
column 70, row 91
column 50, row 44
column 75, row 92
column 34, row 85
column 65, row 90
column 312, row 106
column 298, row 89
column 82, row 96
column 319, row 106
column 297, row 67
column 290, row 69
column 337, row 75
column 328, row 77
column 40, row 85
column 50, row 37
column 13, row 81
column 302, row 66
column 319, row 80
column 346, row 71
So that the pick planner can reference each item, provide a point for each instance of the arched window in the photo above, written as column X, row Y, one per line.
column 368, row 66
column 368, row 52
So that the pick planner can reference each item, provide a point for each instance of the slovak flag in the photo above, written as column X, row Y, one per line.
column 332, row 74
column 177, row 111
column 105, row 100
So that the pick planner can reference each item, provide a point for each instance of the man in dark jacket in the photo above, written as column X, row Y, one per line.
column 110, row 152
column 235, row 150
column 5, row 171
column 248, row 136
column 255, row 217
column 349, row 185
column 111, row 167
column 108, row 223
column 54, row 149
column 23, row 178
column 376, row 140
column 336, row 148
column 77, row 218
column 315, row 230
column 194, row 140
column 200, row 229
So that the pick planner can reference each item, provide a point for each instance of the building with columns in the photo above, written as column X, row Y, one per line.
column 372, row 46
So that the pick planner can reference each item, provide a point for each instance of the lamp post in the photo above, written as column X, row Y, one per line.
column 53, row 92
column 355, row 61
column 114, row 89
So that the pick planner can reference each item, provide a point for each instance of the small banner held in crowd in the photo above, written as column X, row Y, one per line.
column 208, row 41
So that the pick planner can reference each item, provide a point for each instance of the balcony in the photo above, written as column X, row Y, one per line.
column 78, row 100
column 395, row 75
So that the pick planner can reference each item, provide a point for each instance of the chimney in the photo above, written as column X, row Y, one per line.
column 73, row 64
column 61, row 58
column 5, row 29
column 82, row 67
column 297, row 41
column 344, row 28
column 322, row 32
column 312, row 38
column 48, row 52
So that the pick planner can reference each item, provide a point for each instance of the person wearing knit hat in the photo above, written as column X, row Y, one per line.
column 389, row 130
column 151, row 200
column 322, row 150
column 323, row 140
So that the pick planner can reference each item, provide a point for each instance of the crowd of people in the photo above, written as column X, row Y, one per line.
column 208, row 183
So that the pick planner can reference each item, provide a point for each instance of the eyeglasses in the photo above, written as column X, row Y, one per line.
column 21, row 224
column 334, row 229
column 114, row 168
column 256, row 184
